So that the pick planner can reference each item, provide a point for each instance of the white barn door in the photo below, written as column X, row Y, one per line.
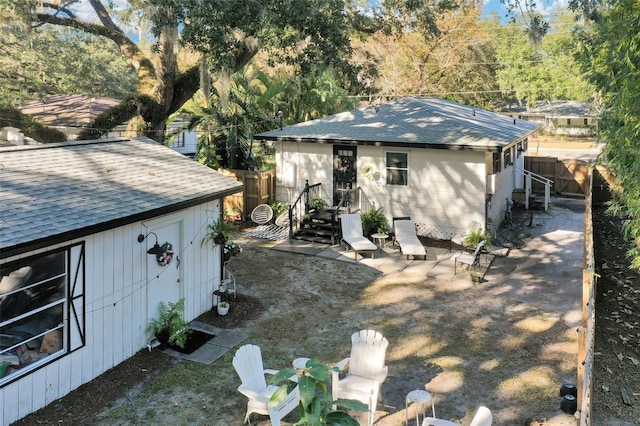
column 165, row 283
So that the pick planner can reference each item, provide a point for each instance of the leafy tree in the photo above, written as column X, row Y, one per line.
column 450, row 54
column 11, row 117
column 609, row 53
column 228, row 34
column 258, row 102
column 521, row 72
column 36, row 63
column 565, row 81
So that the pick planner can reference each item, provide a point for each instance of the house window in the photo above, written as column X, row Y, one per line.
column 397, row 168
column 41, row 310
column 497, row 164
column 178, row 140
column 507, row 158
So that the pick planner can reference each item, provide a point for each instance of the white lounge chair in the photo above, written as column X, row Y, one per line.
column 248, row 364
column 406, row 237
column 483, row 417
column 366, row 370
column 471, row 260
column 353, row 236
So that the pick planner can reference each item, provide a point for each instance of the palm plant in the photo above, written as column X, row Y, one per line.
column 316, row 404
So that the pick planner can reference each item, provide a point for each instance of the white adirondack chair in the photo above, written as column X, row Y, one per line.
column 366, row 370
column 248, row 364
column 353, row 236
column 483, row 417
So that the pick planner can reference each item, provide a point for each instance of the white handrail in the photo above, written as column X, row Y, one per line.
column 528, row 176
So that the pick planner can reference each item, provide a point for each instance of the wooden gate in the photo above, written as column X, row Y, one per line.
column 258, row 188
column 545, row 167
column 572, row 177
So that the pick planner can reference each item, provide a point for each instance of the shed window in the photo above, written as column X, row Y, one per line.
column 41, row 310
column 397, row 168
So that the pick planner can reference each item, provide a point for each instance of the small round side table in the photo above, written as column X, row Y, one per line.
column 418, row 397
column 381, row 239
column 300, row 363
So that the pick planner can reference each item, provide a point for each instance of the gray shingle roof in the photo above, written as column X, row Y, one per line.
column 49, row 191
column 555, row 109
column 412, row 122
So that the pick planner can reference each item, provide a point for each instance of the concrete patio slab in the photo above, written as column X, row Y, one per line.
column 223, row 341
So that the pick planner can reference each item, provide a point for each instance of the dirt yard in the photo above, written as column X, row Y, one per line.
column 508, row 343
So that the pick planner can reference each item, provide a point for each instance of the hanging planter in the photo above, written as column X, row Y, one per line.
column 218, row 232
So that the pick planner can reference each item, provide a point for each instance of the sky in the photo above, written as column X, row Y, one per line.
column 545, row 7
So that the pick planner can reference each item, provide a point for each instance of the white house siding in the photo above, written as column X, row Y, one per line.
column 446, row 189
column 503, row 189
column 297, row 162
column 115, row 306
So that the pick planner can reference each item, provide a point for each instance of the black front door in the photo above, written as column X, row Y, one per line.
column 344, row 171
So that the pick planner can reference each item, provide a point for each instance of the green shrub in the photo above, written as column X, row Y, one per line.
column 374, row 221
column 475, row 236
column 316, row 203
column 278, row 208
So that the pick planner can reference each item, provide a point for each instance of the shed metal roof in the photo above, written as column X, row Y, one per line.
column 54, row 192
column 412, row 122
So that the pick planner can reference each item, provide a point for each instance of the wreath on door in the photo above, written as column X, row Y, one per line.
column 166, row 256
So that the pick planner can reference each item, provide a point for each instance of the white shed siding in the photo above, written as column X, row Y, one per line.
column 116, row 305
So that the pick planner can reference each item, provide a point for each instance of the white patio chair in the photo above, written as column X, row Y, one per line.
column 353, row 236
column 248, row 364
column 483, row 417
column 366, row 370
column 262, row 214
column 406, row 237
column 471, row 260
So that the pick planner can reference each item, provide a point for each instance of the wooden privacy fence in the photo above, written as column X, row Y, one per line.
column 571, row 177
column 586, row 332
column 258, row 188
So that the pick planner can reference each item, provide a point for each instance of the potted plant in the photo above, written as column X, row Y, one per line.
column 223, row 308
column 316, row 406
column 475, row 236
column 218, row 232
column 316, row 203
column 278, row 208
column 231, row 249
column 170, row 326
column 374, row 221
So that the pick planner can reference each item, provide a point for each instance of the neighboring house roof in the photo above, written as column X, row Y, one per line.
column 68, row 110
column 52, row 193
column 412, row 122
column 554, row 109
